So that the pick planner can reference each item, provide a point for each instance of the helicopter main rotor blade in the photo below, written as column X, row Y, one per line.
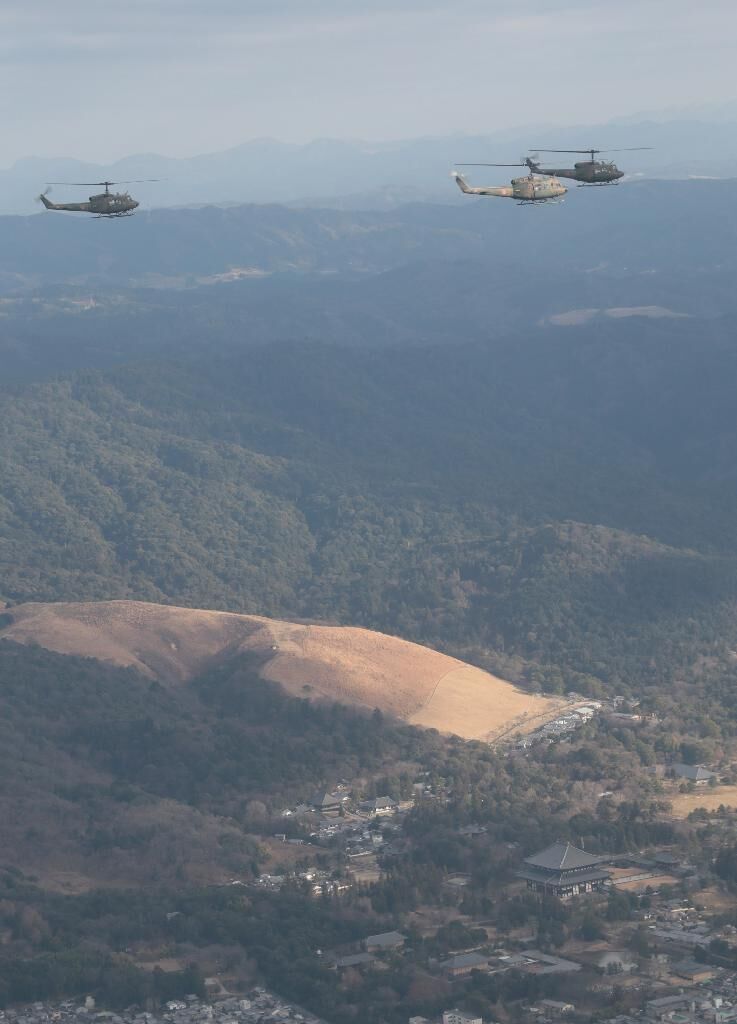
column 626, row 149
column 489, row 165
column 89, row 184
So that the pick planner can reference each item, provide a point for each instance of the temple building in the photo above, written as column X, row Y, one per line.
column 563, row 870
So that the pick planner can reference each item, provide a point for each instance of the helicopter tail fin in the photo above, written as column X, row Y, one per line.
column 47, row 202
column 461, row 182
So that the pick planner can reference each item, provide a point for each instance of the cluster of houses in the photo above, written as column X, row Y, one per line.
column 579, row 712
column 566, row 872
column 260, row 1007
column 548, row 1009
column 713, row 1001
column 561, row 726
column 329, row 805
column 450, row 1017
column 319, row 883
column 335, row 815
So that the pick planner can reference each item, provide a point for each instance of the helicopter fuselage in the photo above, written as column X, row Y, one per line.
column 529, row 189
column 106, row 204
column 588, row 172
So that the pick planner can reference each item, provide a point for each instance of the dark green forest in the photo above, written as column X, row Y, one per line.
column 565, row 514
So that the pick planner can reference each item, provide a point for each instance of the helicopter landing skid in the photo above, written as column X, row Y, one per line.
column 110, row 216
column 541, row 202
column 596, row 184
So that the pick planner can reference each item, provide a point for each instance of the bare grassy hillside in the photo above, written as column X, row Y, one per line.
column 349, row 665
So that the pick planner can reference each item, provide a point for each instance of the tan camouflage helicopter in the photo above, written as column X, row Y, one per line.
column 529, row 189
column 586, row 172
column 106, row 204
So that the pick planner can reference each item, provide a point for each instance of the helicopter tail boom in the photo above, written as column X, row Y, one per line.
column 490, row 190
column 69, row 207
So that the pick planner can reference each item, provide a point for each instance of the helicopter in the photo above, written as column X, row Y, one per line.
column 526, row 190
column 106, row 204
column 586, row 172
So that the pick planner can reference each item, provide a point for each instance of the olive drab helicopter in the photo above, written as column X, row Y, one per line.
column 529, row 189
column 105, row 204
column 586, row 172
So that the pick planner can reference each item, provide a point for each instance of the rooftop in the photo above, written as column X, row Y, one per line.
column 323, row 799
column 694, row 772
column 465, row 960
column 564, row 878
column 562, row 857
column 355, row 960
column 385, row 939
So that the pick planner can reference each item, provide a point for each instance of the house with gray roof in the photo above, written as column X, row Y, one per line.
column 380, row 806
column 328, row 803
column 563, row 870
column 464, row 963
column 355, row 960
column 695, row 773
column 385, row 940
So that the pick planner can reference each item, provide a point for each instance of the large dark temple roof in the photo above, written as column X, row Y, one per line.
column 562, row 857
column 562, row 866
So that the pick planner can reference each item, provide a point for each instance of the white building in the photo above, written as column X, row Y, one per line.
column 459, row 1017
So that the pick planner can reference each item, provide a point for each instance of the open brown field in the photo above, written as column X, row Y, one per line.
column 642, row 884
column 710, row 799
column 716, row 900
column 350, row 665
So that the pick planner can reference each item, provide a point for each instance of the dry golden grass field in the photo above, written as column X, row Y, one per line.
column 710, row 799
column 342, row 663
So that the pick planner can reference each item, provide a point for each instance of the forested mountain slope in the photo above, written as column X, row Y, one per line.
column 110, row 778
column 569, row 502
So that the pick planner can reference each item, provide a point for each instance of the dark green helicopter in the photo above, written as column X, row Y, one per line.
column 106, row 204
column 587, row 172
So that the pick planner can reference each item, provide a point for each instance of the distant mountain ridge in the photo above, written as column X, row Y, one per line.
column 666, row 243
column 265, row 170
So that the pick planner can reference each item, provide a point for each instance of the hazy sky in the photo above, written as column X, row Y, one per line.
column 99, row 80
